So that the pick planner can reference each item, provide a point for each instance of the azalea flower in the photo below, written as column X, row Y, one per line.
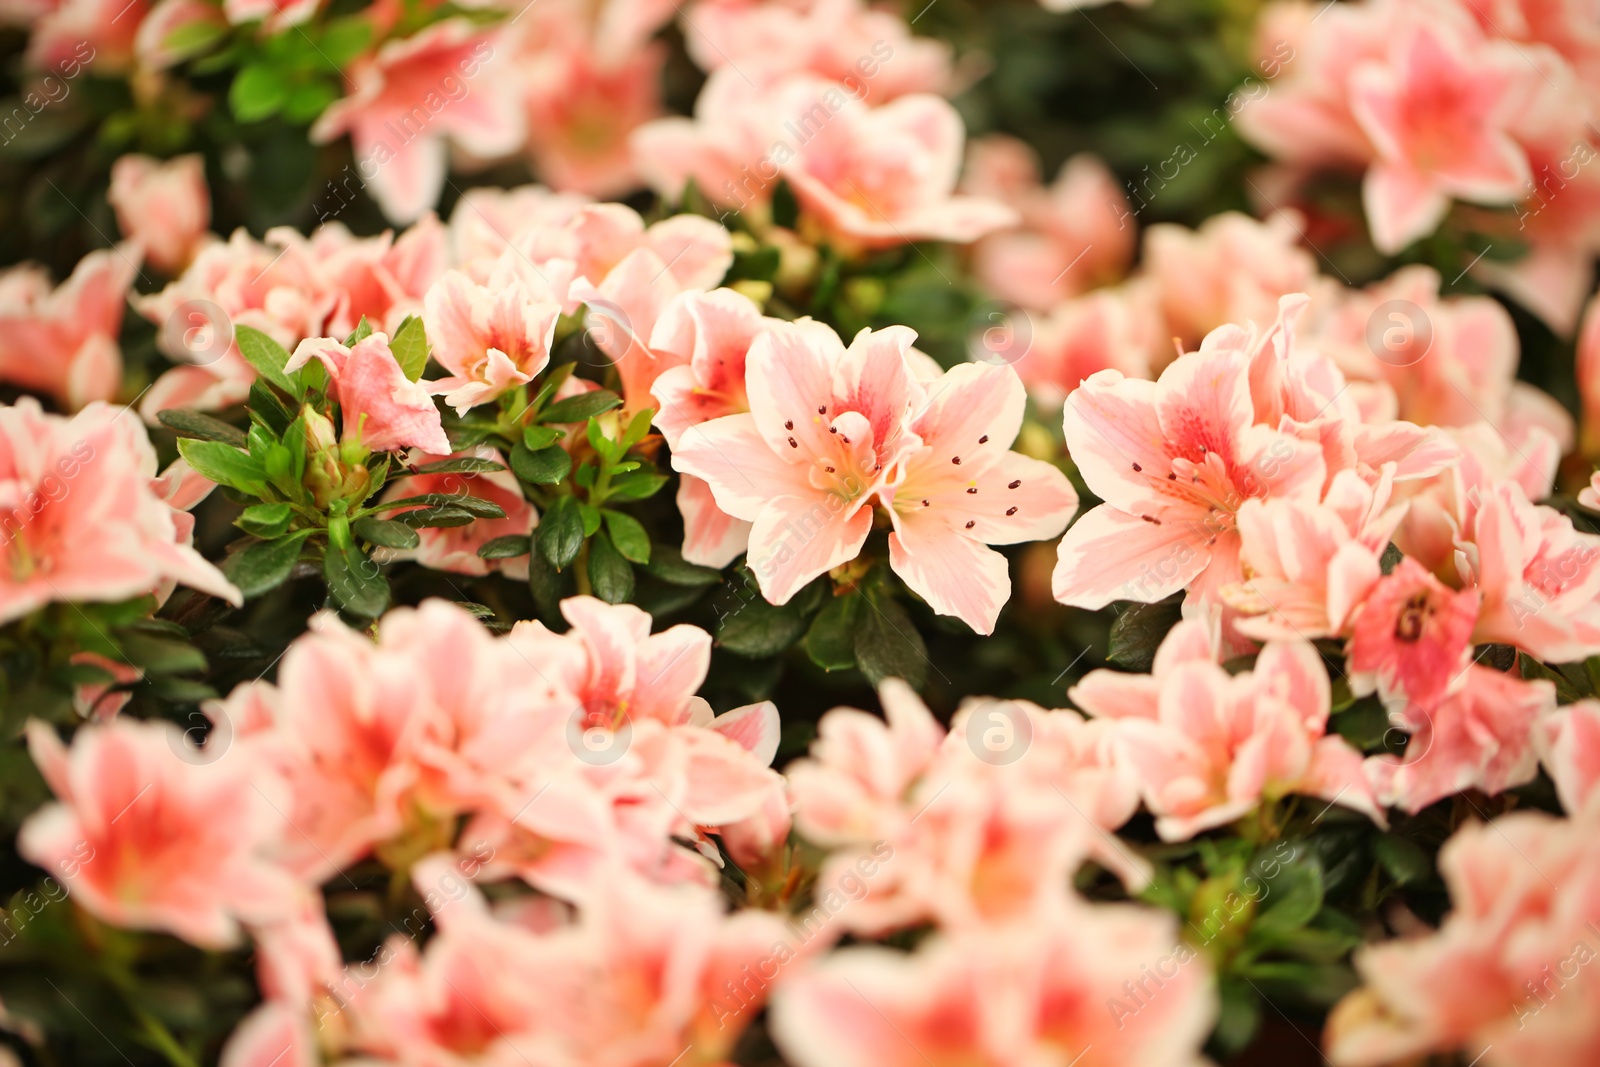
column 492, row 339
column 1039, row 993
column 165, row 207
column 63, row 341
column 381, row 279
column 827, row 428
column 1107, row 329
column 1208, row 747
column 1411, row 637
column 147, row 840
column 381, row 409
column 80, row 517
column 964, row 489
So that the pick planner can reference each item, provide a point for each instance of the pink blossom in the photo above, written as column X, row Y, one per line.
column 1208, row 747
column 1480, row 737
column 63, row 341
column 827, row 428
column 491, row 339
column 885, row 176
column 870, row 51
column 1411, row 637
column 382, row 279
column 408, row 99
column 1107, row 329
column 274, row 14
column 164, row 206
column 1037, row 994
column 146, row 839
column 71, row 35
column 1568, row 741
column 455, row 548
column 1524, row 890
column 1588, row 368
column 707, row 335
column 81, row 520
column 1174, row 460
column 964, row 489
column 273, row 1035
column 487, row 221
column 381, row 409
column 1075, row 233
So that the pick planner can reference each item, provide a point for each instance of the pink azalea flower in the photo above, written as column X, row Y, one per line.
column 1038, row 994
column 1174, row 460
column 1107, row 329
column 381, row 408
column 1485, row 983
column 1438, row 114
column 71, row 35
column 1568, row 741
column 455, row 548
column 827, row 429
column 885, row 176
column 1588, row 367
column 147, row 840
column 487, row 221
column 1208, row 747
column 381, row 279
column 80, row 518
column 274, row 14
column 273, row 1035
column 1411, row 637
column 707, row 335
column 491, row 339
column 412, row 96
column 166, row 207
column 1309, row 566
column 1480, row 737
column 1076, row 234
column 964, row 489
column 871, row 51
column 63, row 341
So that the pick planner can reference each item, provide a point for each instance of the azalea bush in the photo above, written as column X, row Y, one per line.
column 634, row 534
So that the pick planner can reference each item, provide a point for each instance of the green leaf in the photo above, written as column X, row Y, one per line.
column 443, row 516
column 463, row 465
column 582, row 407
column 161, row 655
column 1138, row 632
column 258, row 91
column 355, row 581
column 343, row 40
column 1405, row 861
column 668, row 565
column 265, row 565
column 1238, row 1019
column 508, row 547
column 192, row 38
column 628, row 534
column 1293, row 899
column 266, row 408
column 755, row 628
column 410, row 347
column 268, row 357
column 307, row 102
column 1566, row 692
column 537, row 437
column 831, row 641
column 591, row 519
column 548, row 466
column 639, row 485
column 225, row 465
column 888, row 644
column 362, row 331
column 201, row 427
column 546, row 586
column 610, row 575
column 386, row 533
column 483, row 509
column 266, row 520
column 180, row 690
column 561, row 533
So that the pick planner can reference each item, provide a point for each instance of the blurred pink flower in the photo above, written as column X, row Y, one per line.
column 964, row 489
column 827, row 428
column 1107, row 329
column 165, row 207
column 1411, row 638
column 381, row 409
column 276, row 15
column 148, row 840
column 583, row 107
column 413, row 95
column 80, row 517
column 382, row 279
column 63, row 341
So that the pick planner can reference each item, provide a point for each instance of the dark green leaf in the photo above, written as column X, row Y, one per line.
column 888, row 644
column 755, row 628
column 582, row 407
column 561, row 533
column 355, row 581
column 386, row 533
column 537, row 437
column 268, row 357
column 446, row 515
column 610, row 575
column 265, row 565
column 266, row 407
column 483, row 509
column 201, row 427
column 1293, row 899
column 508, row 547
column 161, row 655
column 546, row 586
column 629, row 536
column 548, row 466
column 667, row 564
column 1138, row 632
column 179, row 690
column 266, row 520
column 831, row 641
column 1405, row 861
column 463, row 465
column 410, row 347
column 639, row 485
column 1238, row 1019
